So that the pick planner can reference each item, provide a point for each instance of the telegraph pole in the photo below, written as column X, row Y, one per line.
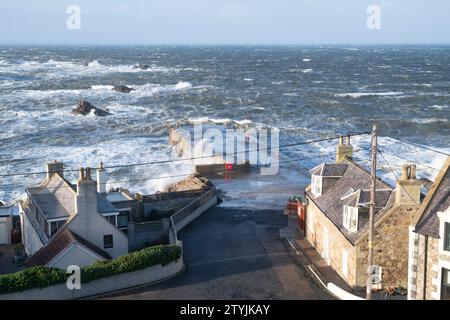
column 373, row 179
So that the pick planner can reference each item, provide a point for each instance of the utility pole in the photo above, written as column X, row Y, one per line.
column 373, row 179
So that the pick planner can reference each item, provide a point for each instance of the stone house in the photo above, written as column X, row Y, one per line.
column 429, row 243
column 64, row 224
column 337, row 215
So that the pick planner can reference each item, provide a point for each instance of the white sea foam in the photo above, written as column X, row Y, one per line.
column 429, row 120
column 367, row 94
column 306, row 60
column 439, row 107
column 94, row 63
column 96, row 91
column 183, row 85
column 218, row 121
column 306, row 70
column 60, row 69
column 102, row 87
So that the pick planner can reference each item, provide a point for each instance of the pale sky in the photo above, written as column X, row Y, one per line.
column 224, row 22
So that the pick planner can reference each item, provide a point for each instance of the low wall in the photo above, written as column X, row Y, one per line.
column 195, row 214
column 144, row 234
column 101, row 286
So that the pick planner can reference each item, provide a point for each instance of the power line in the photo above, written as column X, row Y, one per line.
column 421, row 164
column 398, row 181
column 424, row 147
column 188, row 174
column 192, row 158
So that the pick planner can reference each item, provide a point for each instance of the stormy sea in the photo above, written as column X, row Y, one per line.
column 307, row 92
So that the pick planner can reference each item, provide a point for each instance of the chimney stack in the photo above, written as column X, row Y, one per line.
column 407, row 191
column 344, row 150
column 86, row 200
column 101, row 179
column 54, row 167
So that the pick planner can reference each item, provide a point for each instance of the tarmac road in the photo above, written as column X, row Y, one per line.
column 234, row 253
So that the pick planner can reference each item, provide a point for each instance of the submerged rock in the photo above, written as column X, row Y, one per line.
column 85, row 107
column 122, row 89
column 141, row 66
column 193, row 182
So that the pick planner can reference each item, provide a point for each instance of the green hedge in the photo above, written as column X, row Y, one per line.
column 41, row 276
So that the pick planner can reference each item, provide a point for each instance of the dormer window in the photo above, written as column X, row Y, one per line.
column 316, row 185
column 350, row 218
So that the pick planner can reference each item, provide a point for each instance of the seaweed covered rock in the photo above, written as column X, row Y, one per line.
column 85, row 107
column 122, row 89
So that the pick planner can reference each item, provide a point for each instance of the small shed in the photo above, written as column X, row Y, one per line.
column 6, row 224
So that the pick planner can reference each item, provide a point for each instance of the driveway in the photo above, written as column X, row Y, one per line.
column 234, row 254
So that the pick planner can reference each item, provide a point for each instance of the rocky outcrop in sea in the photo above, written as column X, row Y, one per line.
column 85, row 107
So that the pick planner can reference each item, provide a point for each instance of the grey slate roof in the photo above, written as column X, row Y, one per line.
column 437, row 199
column 329, row 169
column 103, row 205
column 56, row 198
column 358, row 178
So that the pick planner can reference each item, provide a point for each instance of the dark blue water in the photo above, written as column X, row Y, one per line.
column 306, row 91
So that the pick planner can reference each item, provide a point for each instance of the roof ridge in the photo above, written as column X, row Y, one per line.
column 432, row 191
column 360, row 167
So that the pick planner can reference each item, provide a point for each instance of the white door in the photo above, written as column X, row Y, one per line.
column 326, row 247
column 3, row 233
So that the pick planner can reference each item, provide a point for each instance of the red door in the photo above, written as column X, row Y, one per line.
column 301, row 216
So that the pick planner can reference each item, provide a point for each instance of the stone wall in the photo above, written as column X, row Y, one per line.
column 427, row 281
column 391, row 238
column 390, row 241
column 336, row 241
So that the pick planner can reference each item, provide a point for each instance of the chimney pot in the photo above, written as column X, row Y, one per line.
column 101, row 179
column 405, row 174
column 81, row 174
column 341, row 140
column 412, row 171
column 88, row 173
column 347, row 140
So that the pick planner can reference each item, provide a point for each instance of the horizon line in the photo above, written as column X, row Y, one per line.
column 222, row 44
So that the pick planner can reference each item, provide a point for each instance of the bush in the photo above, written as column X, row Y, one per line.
column 41, row 276
column 137, row 260
column 34, row 277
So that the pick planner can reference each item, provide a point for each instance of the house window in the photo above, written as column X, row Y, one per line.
column 345, row 263
column 107, row 241
column 447, row 236
column 350, row 218
column 111, row 219
column 55, row 225
column 316, row 185
column 122, row 219
column 445, row 288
